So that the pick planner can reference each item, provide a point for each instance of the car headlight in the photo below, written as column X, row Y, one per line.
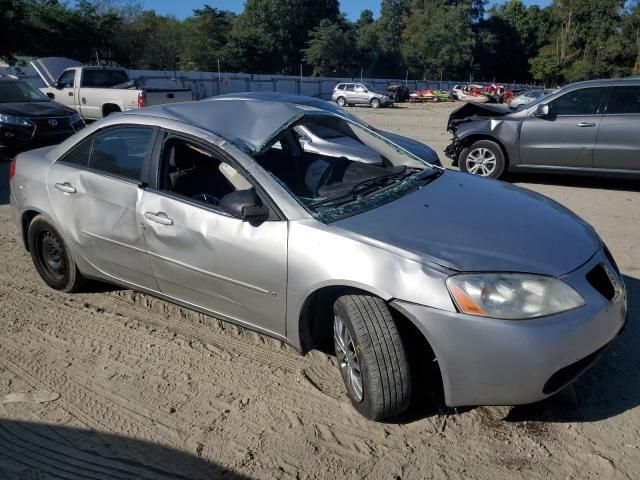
column 75, row 118
column 13, row 120
column 512, row 296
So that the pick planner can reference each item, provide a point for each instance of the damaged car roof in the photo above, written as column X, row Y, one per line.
column 249, row 124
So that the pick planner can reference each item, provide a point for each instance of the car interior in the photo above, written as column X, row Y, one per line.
column 312, row 176
column 194, row 172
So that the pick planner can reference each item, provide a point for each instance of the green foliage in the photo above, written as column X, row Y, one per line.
column 436, row 41
column 330, row 50
column 567, row 41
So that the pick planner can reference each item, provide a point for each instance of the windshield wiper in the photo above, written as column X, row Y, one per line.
column 360, row 189
column 371, row 186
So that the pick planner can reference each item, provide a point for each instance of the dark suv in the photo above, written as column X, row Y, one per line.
column 588, row 128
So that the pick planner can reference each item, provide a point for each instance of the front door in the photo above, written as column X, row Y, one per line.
column 204, row 256
column 65, row 92
column 566, row 136
column 95, row 194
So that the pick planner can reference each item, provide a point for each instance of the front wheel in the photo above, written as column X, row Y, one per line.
column 51, row 256
column 483, row 158
column 371, row 355
column 375, row 103
column 341, row 101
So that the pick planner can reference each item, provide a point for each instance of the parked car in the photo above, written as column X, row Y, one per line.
column 398, row 93
column 97, row 92
column 29, row 119
column 194, row 204
column 469, row 93
column 584, row 128
column 349, row 94
column 526, row 98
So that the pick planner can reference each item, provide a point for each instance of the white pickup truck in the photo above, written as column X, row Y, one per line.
column 96, row 92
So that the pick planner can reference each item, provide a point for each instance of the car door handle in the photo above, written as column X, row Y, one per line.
column 65, row 187
column 159, row 217
column 586, row 124
column 71, row 94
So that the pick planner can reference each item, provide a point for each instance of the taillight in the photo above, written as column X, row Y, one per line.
column 12, row 168
column 142, row 100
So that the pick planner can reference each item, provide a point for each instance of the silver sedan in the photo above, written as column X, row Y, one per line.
column 215, row 206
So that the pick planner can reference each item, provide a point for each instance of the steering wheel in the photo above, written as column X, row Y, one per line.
column 207, row 198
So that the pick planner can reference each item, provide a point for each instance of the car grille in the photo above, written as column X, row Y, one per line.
column 51, row 124
column 599, row 279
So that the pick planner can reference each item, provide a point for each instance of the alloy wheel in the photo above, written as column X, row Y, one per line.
column 348, row 358
column 481, row 161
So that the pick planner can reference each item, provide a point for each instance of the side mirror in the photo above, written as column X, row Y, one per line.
column 245, row 205
column 254, row 213
column 542, row 110
column 58, row 86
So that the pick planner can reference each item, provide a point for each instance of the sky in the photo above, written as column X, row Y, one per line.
column 184, row 8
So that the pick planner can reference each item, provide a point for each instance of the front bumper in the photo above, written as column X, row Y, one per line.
column 453, row 150
column 15, row 139
column 485, row 361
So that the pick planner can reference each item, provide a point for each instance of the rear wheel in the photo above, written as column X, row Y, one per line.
column 371, row 355
column 375, row 103
column 341, row 101
column 483, row 158
column 51, row 256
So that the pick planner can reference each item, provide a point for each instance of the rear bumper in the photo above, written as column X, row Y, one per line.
column 487, row 361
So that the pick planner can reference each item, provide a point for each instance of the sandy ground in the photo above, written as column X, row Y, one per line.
column 115, row 384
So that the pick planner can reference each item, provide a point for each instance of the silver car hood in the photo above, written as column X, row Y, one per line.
column 473, row 224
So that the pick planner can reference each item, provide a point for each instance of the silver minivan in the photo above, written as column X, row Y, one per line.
column 350, row 94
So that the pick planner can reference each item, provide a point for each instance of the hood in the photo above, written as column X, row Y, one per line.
column 49, row 69
column 473, row 224
column 36, row 109
column 472, row 111
column 419, row 149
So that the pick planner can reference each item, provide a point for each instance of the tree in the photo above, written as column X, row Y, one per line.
column 437, row 41
column 330, row 49
column 282, row 26
column 204, row 38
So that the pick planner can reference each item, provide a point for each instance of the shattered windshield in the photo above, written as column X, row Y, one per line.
column 337, row 180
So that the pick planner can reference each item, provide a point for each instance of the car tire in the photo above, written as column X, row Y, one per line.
column 341, row 101
column 371, row 356
column 52, row 257
column 375, row 103
column 482, row 158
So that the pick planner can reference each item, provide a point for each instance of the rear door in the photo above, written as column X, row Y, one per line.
column 350, row 93
column 566, row 137
column 618, row 145
column 95, row 191
column 204, row 256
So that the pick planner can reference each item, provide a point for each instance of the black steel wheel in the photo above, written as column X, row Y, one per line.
column 51, row 256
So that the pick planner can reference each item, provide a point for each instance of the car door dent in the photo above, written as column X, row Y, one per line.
column 111, row 240
column 215, row 275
